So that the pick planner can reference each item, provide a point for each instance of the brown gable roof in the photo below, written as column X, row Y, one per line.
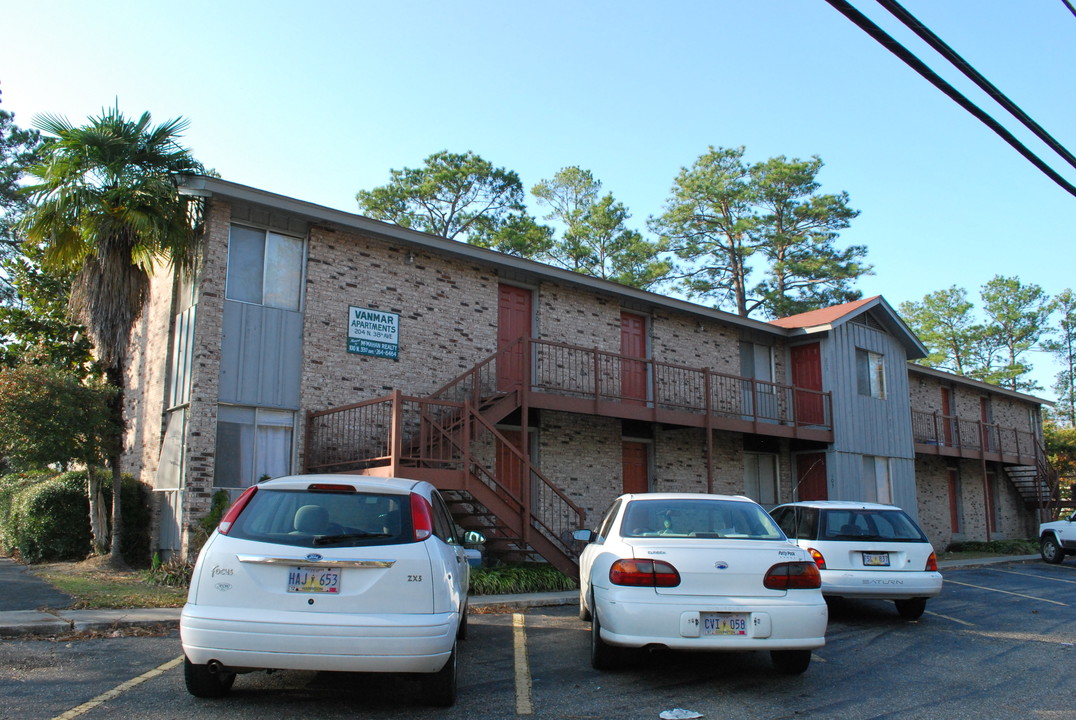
column 822, row 316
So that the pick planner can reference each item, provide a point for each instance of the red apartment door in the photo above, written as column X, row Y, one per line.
column 807, row 377
column 636, row 467
column 811, row 476
column 509, row 465
column 513, row 322
column 947, row 416
column 954, row 500
column 632, row 345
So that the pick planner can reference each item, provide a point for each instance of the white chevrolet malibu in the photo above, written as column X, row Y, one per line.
column 332, row 573
column 865, row 550
column 698, row 572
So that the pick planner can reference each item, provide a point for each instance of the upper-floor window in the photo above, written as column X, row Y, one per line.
column 264, row 268
column 870, row 373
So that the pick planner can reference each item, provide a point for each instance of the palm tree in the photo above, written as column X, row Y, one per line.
column 106, row 206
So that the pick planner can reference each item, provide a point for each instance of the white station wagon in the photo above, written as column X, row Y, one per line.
column 332, row 573
column 865, row 550
column 698, row 572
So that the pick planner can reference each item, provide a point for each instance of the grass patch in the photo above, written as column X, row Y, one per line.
column 519, row 578
column 94, row 586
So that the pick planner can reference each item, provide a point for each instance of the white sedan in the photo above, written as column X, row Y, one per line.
column 865, row 550
column 698, row 572
column 329, row 572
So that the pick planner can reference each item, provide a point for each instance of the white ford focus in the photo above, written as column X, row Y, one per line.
column 329, row 572
column 698, row 572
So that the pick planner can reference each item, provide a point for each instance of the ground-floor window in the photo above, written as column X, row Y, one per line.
column 760, row 478
column 252, row 444
column 877, row 480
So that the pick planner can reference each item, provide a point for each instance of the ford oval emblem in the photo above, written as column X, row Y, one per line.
column 312, row 557
column 721, row 565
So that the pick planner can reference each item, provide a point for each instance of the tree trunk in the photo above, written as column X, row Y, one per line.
column 115, row 558
column 98, row 518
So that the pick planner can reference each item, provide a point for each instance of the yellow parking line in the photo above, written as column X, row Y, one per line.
column 119, row 690
column 524, row 706
column 1006, row 592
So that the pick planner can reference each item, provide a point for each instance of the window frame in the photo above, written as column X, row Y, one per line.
column 232, row 290
column 870, row 373
column 253, row 460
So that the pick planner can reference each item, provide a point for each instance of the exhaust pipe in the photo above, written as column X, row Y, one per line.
column 215, row 666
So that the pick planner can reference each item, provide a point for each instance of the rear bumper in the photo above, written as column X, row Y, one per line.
column 881, row 584
column 634, row 619
column 318, row 641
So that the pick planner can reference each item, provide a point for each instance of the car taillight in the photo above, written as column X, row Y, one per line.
column 818, row 559
column 421, row 516
column 932, row 562
column 235, row 509
column 644, row 573
column 793, row 576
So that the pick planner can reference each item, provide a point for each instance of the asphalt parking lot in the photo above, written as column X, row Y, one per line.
column 1000, row 642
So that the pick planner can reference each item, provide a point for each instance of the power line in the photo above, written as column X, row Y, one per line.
column 1069, row 6
column 886, row 41
column 962, row 65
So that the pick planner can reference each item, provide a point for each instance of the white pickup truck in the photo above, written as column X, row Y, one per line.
column 1058, row 539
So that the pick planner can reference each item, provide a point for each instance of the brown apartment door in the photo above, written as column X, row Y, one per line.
column 632, row 345
column 987, row 423
column 947, row 416
column 811, row 476
column 509, row 464
column 636, row 467
column 807, row 378
column 513, row 322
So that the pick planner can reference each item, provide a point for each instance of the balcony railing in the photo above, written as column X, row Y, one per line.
column 933, row 428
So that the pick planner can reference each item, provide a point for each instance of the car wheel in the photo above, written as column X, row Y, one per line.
column 461, row 631
column 791, row 662
column 911, row 609
column 584, row 612
column 603, row 656
column 202, row 682
column 441, row 685
column 1050, row 550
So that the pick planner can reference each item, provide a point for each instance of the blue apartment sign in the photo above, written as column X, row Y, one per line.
column 373, row 332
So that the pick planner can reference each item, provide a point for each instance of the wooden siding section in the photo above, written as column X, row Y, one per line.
column 261, row 352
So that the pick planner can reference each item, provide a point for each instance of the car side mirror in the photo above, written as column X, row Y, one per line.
column 587, row 536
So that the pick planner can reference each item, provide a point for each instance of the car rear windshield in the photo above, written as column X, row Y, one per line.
column 307, row 518
column 698, row 518
column 863, row 524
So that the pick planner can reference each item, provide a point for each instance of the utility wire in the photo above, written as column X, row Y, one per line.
column 916, row 64
column 962, row 65
column 1069, row 6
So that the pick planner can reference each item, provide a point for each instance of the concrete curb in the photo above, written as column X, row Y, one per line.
column 31, row 622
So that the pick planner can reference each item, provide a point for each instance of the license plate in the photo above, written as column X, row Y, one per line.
column 724, row 623
column 314, row 580
column 876, row 559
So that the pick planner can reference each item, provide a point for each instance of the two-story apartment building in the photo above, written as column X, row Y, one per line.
column 315, row 340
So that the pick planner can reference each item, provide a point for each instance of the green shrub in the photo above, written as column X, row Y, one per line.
column 1003, row 547
column 176, row 572
column 521, row 578
column 10, row 486
column 50, row 520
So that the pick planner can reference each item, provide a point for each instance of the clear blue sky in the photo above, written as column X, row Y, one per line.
column 318, row 100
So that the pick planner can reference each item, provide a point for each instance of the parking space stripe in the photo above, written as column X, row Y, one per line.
column 951, row 619
column 1006, row 592
column 1036, row 576
column 524, row 706
column 119, row 690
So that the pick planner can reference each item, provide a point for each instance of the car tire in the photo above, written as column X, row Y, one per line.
column 461, row 630
column 1050, row 550
column 440, row 687
column 202, row 682
column 603, row 656
column 791, row 662
column 911, row 609
column 584, row 612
